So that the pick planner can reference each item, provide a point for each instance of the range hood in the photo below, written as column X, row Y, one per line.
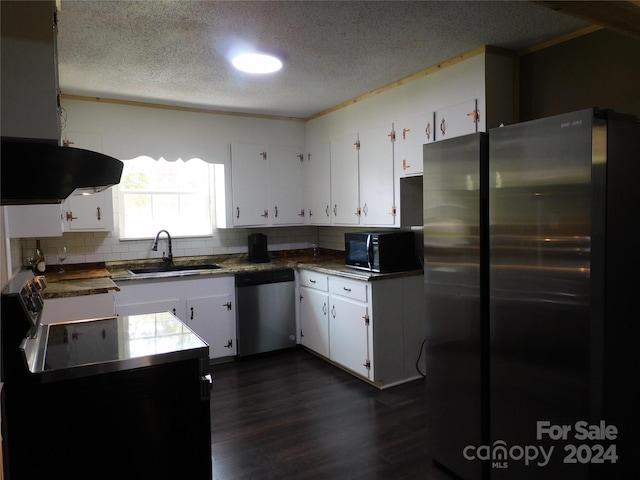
column 39, row 171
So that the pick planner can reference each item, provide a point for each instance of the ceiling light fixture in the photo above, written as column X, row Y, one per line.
column 257, row 63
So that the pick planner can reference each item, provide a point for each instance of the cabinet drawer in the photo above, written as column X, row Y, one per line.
column 349, row 289
column 315, row 280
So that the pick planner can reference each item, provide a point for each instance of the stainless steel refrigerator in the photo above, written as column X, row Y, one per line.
column 531, row 270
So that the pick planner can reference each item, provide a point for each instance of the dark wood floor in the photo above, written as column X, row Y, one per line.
column 294, row 416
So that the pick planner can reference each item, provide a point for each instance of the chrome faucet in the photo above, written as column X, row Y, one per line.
column 168, row 258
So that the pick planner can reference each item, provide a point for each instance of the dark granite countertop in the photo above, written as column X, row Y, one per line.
column 75, row 284
column 329, row 262
column 78, row 280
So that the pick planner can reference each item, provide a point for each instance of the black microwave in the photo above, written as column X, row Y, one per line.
column 381, row 251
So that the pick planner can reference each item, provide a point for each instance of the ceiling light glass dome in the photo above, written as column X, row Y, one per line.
column 257, row 63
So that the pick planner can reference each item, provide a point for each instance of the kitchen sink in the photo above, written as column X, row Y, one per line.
column 174, row 268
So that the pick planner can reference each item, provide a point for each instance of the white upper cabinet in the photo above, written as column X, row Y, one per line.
column 29, row 221
column 345, row 206
column 266, row 184
column 456, row 120
column 285, row 165
column 411, row 134
column 317, row 184
column 377, row 202
column 249, row 184
column 88, row 213
column 362, row 179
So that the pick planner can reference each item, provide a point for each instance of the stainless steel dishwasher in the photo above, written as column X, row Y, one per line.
column 266, row 318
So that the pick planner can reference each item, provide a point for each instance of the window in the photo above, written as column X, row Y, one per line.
column 157, row 194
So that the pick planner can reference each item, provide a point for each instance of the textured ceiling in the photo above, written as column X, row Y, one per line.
column 175, row 52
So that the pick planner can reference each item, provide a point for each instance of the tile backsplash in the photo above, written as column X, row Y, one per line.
column 90, row 247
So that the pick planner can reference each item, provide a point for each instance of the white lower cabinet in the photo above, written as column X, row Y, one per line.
column 349, row 335
column 314, row 309
column 170, row 305
column 218, row 332
column 78, row 308
column 373, row 329
column 205, row 304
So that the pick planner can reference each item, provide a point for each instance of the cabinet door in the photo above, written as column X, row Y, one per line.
column 78, row 308
column 457, row 120
column 213, row 319
column 89, row 213
column 349, row 335
column 411, row 134
column 376, row 176
column 345, row 208
column 285, row 165
column 317, row 184
column 175, row 306
column 249, row 186
column 314, row 321
column 29, row 221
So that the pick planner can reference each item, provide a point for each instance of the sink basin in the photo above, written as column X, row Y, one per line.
column 174, row 268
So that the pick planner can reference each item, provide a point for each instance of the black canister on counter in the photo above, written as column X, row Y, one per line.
column 258, row 248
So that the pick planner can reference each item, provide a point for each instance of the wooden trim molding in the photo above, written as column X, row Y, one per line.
column 620, row 16
column 178, row 108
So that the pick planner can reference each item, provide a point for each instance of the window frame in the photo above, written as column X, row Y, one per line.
column 176, row 232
